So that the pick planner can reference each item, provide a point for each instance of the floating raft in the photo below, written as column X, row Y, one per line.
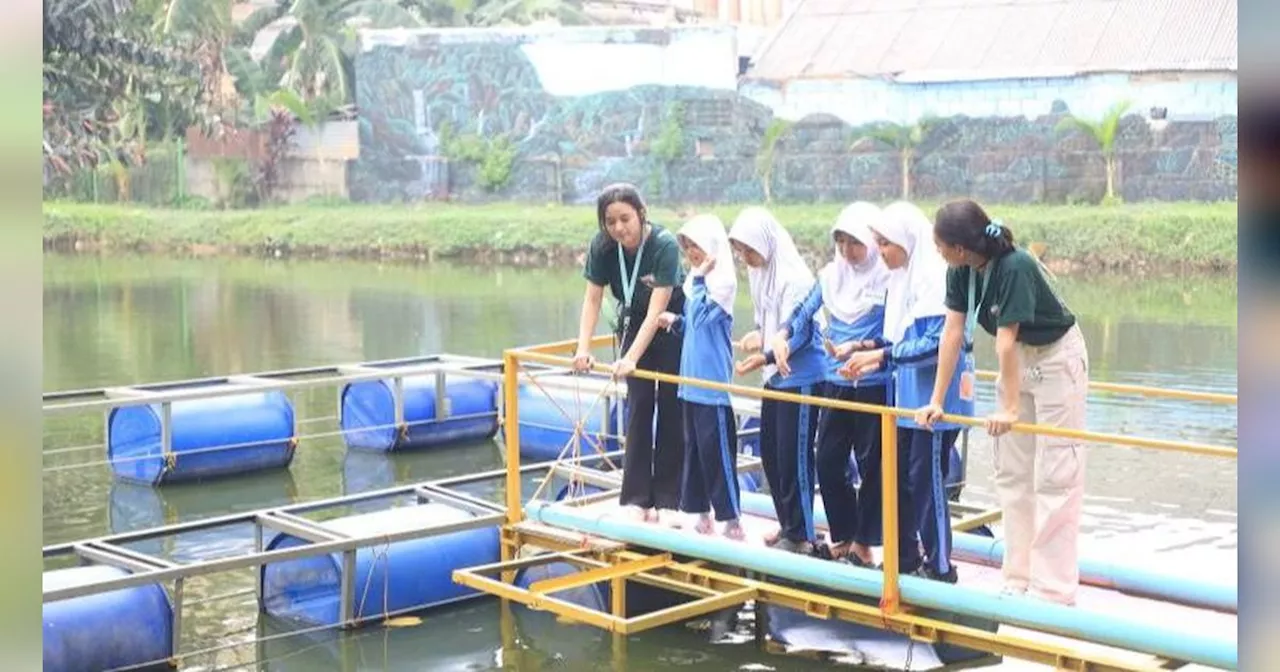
column 578, row 557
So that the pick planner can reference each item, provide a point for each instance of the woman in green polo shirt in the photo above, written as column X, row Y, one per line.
column 1043, row 379
column 640, row 263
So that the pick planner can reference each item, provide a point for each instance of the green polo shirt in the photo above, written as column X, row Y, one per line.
column 659, row 267
column 1020, row 294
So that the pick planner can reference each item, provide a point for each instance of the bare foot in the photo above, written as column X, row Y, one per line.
column 650, row 515
column 704, row 526
column 670, row 518
column 733, row 530
column 862, row 552
column 773, row 537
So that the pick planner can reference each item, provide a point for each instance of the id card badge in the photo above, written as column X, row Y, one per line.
column 967, row 377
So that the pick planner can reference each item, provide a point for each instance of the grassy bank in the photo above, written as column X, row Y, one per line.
column 1139, row 237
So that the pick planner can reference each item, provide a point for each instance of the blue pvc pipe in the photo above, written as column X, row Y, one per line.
column 1143, row 581
column 1021, row 611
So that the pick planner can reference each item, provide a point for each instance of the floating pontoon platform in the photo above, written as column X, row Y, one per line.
column 582, row 527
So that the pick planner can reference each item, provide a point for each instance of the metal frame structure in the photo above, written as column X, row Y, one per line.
column 715, row 589
column 165, row 394
column 712, row 589
column 322, row 539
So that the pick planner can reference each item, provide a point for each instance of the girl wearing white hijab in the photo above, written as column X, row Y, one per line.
column 780, row 280
column 851, row 292
column 915, row 310
column 710, row 431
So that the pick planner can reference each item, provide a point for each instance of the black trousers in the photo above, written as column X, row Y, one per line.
column 710, row 468
column 924, row 512
column 651, row 469
column 786, row 453
column 852, row 515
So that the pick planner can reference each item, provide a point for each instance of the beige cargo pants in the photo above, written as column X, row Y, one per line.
column 1040, row 479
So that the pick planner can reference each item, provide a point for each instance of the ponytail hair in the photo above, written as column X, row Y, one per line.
column 964, row 223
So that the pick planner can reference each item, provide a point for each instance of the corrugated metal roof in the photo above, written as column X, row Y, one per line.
column 925, row 40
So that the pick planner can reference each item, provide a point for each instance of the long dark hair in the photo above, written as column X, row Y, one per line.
column 620, row 192
column 966, row 224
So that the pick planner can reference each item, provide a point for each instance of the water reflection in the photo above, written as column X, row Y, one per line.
column 136, row 507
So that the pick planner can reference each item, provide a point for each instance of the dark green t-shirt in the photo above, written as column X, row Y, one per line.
column 659, row 267
column 1019, row 294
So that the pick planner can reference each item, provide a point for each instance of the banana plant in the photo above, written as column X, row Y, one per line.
column 313, row 50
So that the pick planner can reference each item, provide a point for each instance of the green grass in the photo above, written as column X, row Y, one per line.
column 1148, row 236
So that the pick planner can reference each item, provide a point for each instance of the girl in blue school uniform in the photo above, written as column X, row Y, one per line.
column 915, row 310
column 850, row 295
column 706, row 327
column 779, row 281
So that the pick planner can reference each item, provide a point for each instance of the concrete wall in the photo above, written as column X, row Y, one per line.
column 1186, row 96
column 315, row 166
column 586, row 106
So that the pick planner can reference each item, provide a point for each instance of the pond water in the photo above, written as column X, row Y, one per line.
column 127, row 320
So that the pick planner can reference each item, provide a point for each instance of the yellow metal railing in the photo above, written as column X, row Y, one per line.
column 553, row 354
column 1146, row 391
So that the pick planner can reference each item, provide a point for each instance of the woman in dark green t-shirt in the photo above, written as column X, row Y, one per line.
column 639, row 261
column 1043, row 379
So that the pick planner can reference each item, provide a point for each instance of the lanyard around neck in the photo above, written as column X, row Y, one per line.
column 629, row 284
column 971, row 317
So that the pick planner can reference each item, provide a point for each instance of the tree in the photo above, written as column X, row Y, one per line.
column 109, row 84
column 203, row 29
column 312, row 54
column 906, row 139
column 1104, row 132
column 777, row 129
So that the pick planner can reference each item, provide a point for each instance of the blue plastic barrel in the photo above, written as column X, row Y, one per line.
column 417, row 573
column 544, row 633
column 368, row 413
column 121, row 628
column 218, row 436
column 547, row 421
column 592, row 596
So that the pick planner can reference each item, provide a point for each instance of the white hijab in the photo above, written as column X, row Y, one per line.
column 707, row 232
column 784, row 280
column 849, row 291
column 918, row 289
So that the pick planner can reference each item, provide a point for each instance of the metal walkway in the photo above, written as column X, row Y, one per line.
column 714, row 587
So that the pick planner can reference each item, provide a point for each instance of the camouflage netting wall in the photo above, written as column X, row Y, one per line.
column 419, row 102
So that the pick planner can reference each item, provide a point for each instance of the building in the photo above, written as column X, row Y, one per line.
column 899, row 60
column 562, row 111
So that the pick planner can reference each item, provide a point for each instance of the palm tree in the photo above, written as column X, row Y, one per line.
column 765, row 160
column 1103, row 132
column 905, row 139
